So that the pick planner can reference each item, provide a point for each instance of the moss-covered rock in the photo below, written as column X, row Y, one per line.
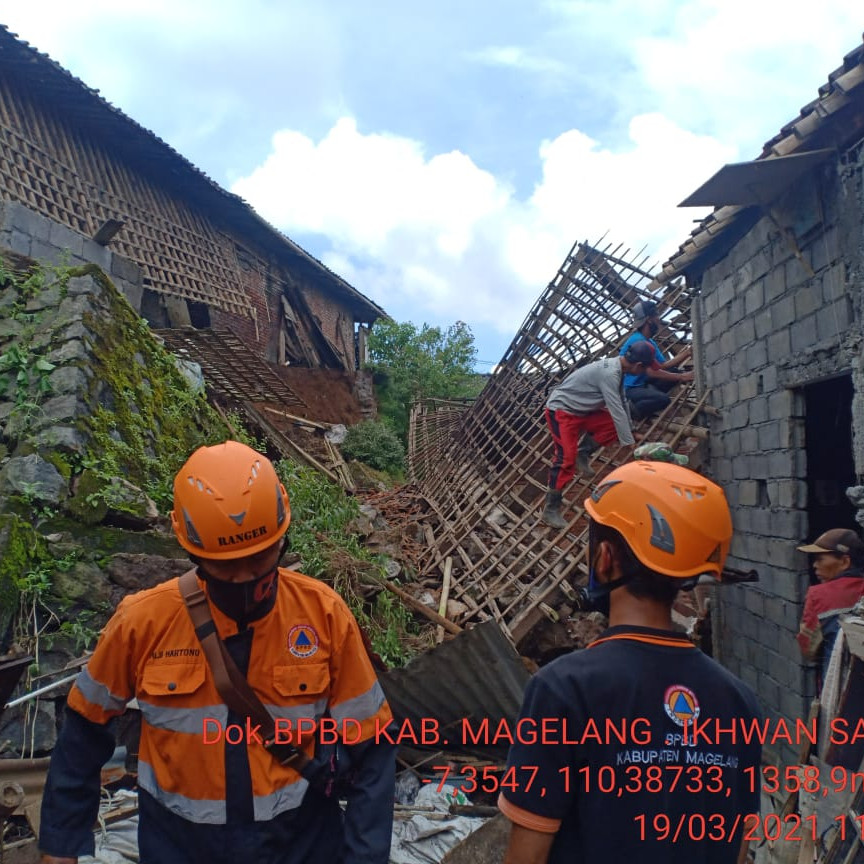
column 22, row 551
column 82, row 586
column 111, row 499
column 88, row 505
column 97, row 419
column 76, row 355
column 32, row 477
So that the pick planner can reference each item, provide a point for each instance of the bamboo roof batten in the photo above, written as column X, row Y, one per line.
column 66, row 138
column 482, row 466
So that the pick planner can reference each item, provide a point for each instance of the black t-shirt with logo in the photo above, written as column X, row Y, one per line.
column 635, row 753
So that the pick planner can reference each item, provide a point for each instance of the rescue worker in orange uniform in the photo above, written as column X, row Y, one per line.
column 206, row 794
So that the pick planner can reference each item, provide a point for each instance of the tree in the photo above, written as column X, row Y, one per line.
column 414, row 364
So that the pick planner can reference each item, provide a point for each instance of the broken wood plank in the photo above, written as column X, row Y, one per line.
column 687, row 431
column 279, row 438
column 483, row 811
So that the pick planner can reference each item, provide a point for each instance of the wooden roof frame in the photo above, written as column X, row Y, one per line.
column 24, row 66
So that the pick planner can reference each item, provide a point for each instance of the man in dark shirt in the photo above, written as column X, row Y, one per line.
column 838, row 559
column 648, row 392
column 617, row 771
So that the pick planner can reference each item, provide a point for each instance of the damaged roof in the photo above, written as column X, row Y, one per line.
column 833, row 120
column 228, row 368
column 38, row 74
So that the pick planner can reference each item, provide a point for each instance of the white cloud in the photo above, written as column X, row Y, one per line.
column 367, row 190
column 516, row 57
column 735, row 69
column 639, row 103
column 437, row 233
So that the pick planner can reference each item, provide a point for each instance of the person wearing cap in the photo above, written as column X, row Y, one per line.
column 648, row 392
column 588, row 402
column 838, row 564
column 209, row 789
column 614, row 772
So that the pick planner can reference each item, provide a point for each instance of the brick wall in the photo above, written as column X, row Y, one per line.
column 778, row 312
column 337, row 323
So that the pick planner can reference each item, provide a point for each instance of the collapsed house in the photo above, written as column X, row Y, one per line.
column 768, row 289
column 482, row 467
column 82, row 182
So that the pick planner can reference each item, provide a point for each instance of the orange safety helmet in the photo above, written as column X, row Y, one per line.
column 675, row 521
column 228, row 502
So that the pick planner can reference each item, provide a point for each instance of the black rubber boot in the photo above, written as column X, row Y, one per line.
column 552, row 510
column 587, row 446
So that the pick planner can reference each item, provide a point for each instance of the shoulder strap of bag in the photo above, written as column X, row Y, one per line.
column 229, row 680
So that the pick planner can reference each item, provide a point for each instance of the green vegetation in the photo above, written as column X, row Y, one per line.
column 142, row 423
column 411, row 364
column 152, row 420
column 374, row 443
column 144, row 419
column 320, row 533
column 22, row 566
column 29, row 606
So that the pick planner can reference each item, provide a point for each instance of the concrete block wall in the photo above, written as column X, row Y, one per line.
column 26, row 232
column 776, row 313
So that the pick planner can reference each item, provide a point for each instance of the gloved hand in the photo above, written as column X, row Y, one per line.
column 659, row 451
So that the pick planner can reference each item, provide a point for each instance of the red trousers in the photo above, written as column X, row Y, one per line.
column 566, row 429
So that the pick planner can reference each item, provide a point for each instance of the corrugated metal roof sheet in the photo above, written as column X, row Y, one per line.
column 476, row 675
column 757, row 182
column 821, row 123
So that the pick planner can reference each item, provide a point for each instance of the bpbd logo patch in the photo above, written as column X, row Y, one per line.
column 303, row 640
column 681, row 704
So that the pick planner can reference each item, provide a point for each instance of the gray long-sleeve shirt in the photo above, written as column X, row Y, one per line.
column 589, row 388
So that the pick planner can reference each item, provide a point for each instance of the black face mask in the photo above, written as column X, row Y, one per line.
column 592, row 600
column 653, row 328
column 242, row 601
column 595, row 597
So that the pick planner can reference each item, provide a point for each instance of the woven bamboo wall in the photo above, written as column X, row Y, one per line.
column 433, row 423
column 68, row 172
column 483, row 470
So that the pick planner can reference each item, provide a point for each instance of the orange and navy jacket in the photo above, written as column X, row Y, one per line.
column 307, row 660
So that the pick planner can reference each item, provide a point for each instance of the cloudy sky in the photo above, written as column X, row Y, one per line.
column 444, row 156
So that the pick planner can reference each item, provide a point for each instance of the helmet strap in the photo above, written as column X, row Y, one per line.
column 598, row 592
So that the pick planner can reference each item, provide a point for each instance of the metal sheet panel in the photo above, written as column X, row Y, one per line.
column 474, row 676
column 754, row 183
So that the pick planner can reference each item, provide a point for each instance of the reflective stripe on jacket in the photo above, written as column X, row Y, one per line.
column 307, row 659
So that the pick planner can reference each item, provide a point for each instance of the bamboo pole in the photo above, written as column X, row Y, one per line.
column 445, row 596
column 302, row 420
column 414, row 603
